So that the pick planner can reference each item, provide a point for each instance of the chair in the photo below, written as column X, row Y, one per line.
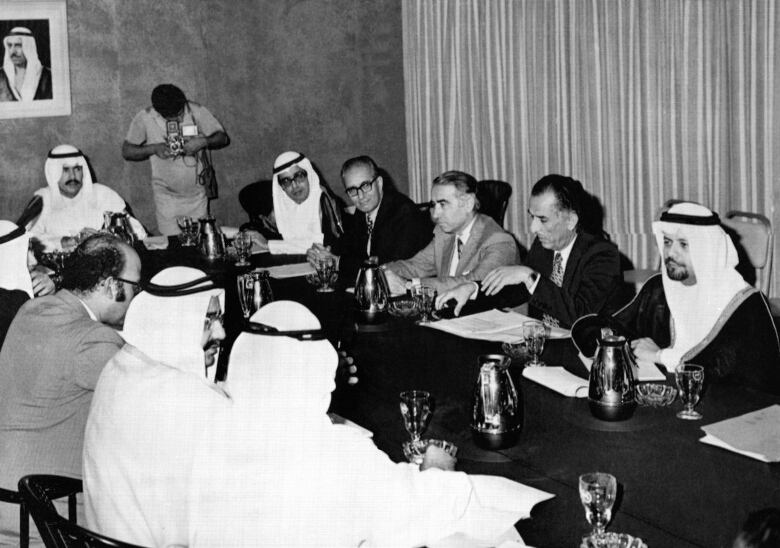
column 38, row 492
column 753, row 234
column 13, row 497
column 256, row 199
column 493, row 198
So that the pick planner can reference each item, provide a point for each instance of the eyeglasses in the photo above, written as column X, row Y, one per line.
column 212, row 317
column 137, row 287
column 363, row 188
column 298, row 178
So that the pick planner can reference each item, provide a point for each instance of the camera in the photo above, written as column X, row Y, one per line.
column 174, row 138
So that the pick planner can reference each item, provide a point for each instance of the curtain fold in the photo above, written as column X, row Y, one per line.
column 641, row 101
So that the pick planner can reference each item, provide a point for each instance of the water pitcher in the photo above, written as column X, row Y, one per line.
column 211, row 239
column 611, row 390
column 371, row 290
column 497, row 410
column 118, row 224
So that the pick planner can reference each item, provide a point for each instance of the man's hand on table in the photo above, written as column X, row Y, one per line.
column 645, row 349
column 396, row 283
column 259, row 243
column 502, row 276
column 346, row 369
column 436, row 457
column 460, row 294
column 317, row 252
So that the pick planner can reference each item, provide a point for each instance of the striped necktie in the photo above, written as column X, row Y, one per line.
column 369, row 231
column 557, row 278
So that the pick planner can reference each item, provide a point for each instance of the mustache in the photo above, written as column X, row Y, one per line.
column 70, row 181
column 667, row 262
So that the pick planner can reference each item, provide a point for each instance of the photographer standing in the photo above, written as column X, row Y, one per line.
column 171, row 132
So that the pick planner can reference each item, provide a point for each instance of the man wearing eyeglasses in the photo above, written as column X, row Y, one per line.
column 148, row 412
column 387, row 224
column 51, row 359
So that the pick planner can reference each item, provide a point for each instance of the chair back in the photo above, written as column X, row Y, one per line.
column 38, row 492
column 493, row 198
column 754, row 232
column 256, row 199
column 13, row 497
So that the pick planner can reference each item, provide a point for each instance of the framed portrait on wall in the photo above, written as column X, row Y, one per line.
column 35, row 76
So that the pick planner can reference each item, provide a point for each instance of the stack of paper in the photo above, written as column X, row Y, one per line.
column 646, row 371
column 558, row 379
column 493, row 325
column 289, row 270
column 755, row 435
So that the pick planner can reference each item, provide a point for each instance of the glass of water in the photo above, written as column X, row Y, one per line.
column 242, row 243
column 416, row 412
column 597, row 493
column 425, row 297
column 690, row 379
column 534, row 334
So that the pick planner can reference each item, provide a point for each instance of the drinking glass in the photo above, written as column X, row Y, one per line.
column 242, row 243
column 534, row 333
column 189, row 231
column 254, row 291
column 416, row 411
column 690, row 379
column 597, row 493
column 326, row 274
column 425, row 297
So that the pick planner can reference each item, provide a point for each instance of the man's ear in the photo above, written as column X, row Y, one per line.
column 571, row 223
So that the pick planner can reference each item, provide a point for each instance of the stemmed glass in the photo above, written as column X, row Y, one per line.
column 326, row 274
column 242, row 243
column 597, row 493
column 690, row 379
column 425, row 297
column 189, row 231
column 534, row 333
column 254, row 291
column 416, row 411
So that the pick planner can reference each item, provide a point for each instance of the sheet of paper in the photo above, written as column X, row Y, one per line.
column 156, row 242
column 757, row 432
column 492, row 325
column 558, row 379
column 289, row 270
column 712, row 440
column 647, row 371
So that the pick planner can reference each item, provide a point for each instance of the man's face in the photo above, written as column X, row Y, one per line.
column 70, row 180
column 677, row 259
column 14, row 45
column 295, row 183
column 369, row 188
column 554, row 227
column 452, row 209
column 213, row 332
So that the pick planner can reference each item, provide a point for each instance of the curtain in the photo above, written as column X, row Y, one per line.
column 641, row 101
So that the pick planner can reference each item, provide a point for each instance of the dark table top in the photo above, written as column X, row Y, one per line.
column 673, row 490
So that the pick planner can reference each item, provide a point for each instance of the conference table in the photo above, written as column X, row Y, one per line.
column 673, row 491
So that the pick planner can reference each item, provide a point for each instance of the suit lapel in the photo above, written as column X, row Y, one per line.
column 471, row 247
column 574, row 258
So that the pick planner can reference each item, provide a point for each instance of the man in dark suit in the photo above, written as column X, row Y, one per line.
column 466, row 244
column 387, row 224
column 568, row 272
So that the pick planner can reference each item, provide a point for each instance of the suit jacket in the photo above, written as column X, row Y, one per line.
column 590, row 282
column 400, row 231
column 488, row 247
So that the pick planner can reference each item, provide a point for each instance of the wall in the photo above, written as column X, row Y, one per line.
column 324, row 77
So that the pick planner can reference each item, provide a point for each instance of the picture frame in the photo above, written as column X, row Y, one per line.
column 47, row 93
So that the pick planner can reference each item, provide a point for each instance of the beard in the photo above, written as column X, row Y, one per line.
column 676, row 271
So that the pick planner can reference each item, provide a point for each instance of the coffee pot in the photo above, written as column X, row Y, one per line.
column 497, row 410
column 372, row 292
column 211, row 239
column 118, row 224
column 611, row 388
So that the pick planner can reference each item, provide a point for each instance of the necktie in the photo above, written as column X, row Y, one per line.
column 456, row 256
column 369, row 231
column 557, row 278
column 459, row 247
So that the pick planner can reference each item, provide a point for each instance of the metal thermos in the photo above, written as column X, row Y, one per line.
column 211, row 239
column 118, row 224
column 372, row 292
column 611, row 389
column 497, row 410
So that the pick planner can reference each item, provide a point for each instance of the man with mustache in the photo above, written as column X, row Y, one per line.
column 23, row 77
column 698, row 309
column 72, row 202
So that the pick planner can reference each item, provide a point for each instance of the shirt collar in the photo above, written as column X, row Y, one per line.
column 466, row 232
column 372, row 214
column 566, row 251
column 89, row 311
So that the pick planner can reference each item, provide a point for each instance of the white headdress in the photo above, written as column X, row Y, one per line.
column 13, row 256
column 59, row 157
column 297, row 221
column 34, row 67
column 695, row 308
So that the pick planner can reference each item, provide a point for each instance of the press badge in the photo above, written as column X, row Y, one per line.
column 189, row 130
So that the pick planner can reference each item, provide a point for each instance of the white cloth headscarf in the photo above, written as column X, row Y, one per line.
column 695, row 308
column 14, row 273
column 299, row 224
column 34, row 68
column 148, row 417
column 63, row 216
column 278, row 473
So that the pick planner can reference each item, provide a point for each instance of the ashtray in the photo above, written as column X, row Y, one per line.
column 612, row 540
column 414, row 452
column 655, row 395
column 516, row 350
column 403, row 308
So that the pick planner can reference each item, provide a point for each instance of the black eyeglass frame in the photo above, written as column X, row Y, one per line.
column 364, row 188
column 286, row 182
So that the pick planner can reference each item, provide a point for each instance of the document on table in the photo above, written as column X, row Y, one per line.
column 646, row 371
column 755, row 435
column 558, row 379
column 289, row 270
column 492, row 325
